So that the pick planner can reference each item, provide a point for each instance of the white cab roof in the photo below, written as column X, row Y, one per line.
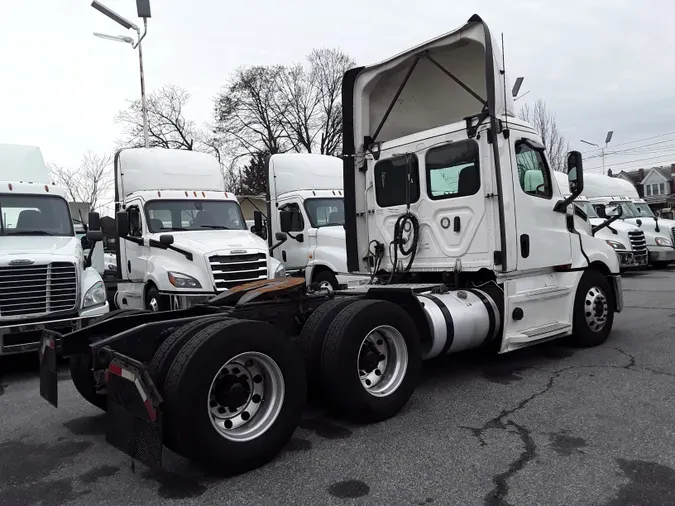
column 430, row 98
column 295, row 172
column 167, row 169
column 597, row 185
column 22, row 163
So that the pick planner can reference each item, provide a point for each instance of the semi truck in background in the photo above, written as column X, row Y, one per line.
column 182, row 237
column 46, row 280
column 305, row 201
column 627, row 240
column 492, row 263
column 659, row 233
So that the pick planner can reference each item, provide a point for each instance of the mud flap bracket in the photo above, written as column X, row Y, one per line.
column 49, row 386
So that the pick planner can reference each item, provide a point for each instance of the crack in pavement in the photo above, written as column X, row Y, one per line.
column 497, row 496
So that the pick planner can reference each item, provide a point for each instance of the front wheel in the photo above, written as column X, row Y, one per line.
column 370, row 360
column 234, row 395
column 154, row 302
column 593, row 311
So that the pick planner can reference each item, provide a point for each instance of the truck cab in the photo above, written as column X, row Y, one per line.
column 444, row 184
column 627, row 240
column 305, row 201
column 46, row 280
column 659, row 233
column 182, row 237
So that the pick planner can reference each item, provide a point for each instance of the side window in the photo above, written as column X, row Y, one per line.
column 452, row 170
column 298, row 222
column 390, row 181
column 533, row 172
column 135, row 227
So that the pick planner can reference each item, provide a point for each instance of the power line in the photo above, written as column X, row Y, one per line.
column 634, row 161
column 633, row 142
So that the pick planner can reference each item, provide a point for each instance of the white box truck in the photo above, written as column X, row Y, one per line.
column 46, row 281
column 305, row 201
column 493, row 263
column 659, row 232
column 627, row 240
column 182, row 237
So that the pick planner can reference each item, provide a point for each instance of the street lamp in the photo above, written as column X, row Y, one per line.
column 608, row 138
column 143, row 9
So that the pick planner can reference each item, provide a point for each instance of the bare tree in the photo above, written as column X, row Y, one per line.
column 91, row 182
column 167, row 125
column 544, row 122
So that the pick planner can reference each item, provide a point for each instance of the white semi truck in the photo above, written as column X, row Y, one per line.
column 497, row 264
column 659, row 232
column 182, row 237
column 305, row 201
column 627, row 240
column 46, row 280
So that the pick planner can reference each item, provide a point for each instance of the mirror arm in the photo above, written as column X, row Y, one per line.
column 275, row 246
column 156, row 244
column 135, row 240
column 604, row 224
column 561, row 205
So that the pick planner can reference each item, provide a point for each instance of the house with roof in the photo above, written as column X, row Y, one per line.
column 656, row 185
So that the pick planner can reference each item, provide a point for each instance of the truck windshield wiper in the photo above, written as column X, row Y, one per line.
column 174, row 229
column 219, row 227
column 28, row 232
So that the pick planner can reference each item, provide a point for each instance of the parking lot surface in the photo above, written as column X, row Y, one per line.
column 547, row 425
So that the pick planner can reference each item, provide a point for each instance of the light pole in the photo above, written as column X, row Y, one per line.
column 143, row 8
column 602, row 149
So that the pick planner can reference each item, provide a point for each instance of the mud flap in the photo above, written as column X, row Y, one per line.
column 134, row 419
column 49, row 386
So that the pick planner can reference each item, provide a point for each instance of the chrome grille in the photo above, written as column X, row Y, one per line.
column 37, row 290
column 233, row 270
column 638, row 243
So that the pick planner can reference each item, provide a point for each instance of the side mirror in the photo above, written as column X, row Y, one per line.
column 94, row 221
column 258, row 227
column 280, row 236
column 612, row 211
column 575, row 172
column 122, row 219
column 94, row 235
column 166, row 239
column 286, row 221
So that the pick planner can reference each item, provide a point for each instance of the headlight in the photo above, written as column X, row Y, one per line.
column 180, row 280
column 95, row 296
column 616, row 244
column 280, row 272
column 663, row 241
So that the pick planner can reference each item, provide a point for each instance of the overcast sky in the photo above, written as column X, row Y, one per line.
column 599, row 65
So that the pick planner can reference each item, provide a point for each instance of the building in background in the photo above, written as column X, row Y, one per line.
column 656, row 185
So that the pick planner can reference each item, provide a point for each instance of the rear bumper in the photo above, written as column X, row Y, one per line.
column 661, row 254
column 24, row 336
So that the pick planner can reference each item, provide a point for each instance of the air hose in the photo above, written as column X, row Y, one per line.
column 399, row 241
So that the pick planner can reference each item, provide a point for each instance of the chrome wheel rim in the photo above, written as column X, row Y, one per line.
column 596, row 309
column 382, row 361
column 153, row 305
column 246, row 396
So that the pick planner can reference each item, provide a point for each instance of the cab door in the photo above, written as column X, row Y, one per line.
column 135, row 255
column 543, row 239
column 294, row 252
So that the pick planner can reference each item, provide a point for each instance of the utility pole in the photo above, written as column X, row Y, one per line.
column 608, row 138
column 143, row 9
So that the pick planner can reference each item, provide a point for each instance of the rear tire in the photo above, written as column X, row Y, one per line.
column 363, row 333
column 593, row 311
column 208, row 386
column 310, row 341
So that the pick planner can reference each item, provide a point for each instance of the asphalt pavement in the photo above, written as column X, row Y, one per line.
column 547, row 425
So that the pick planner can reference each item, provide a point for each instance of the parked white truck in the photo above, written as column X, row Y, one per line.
column 183, row 238
column 496, row 264
column 305, row 201
column 627, row 240
column 659, row 233
column 46, row 281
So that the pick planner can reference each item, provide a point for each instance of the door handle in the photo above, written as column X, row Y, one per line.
column 283, row 255
column 525, row 245
column 129, row 266
column 457, row 224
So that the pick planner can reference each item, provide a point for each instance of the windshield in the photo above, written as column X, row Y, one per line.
column 626, row 208
column 326, row 212
column 642, row 210
column 587, row 208
column 34, row 215
column 178, row 215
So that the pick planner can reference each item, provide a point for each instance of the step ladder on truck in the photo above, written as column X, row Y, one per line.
column 452, row 211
